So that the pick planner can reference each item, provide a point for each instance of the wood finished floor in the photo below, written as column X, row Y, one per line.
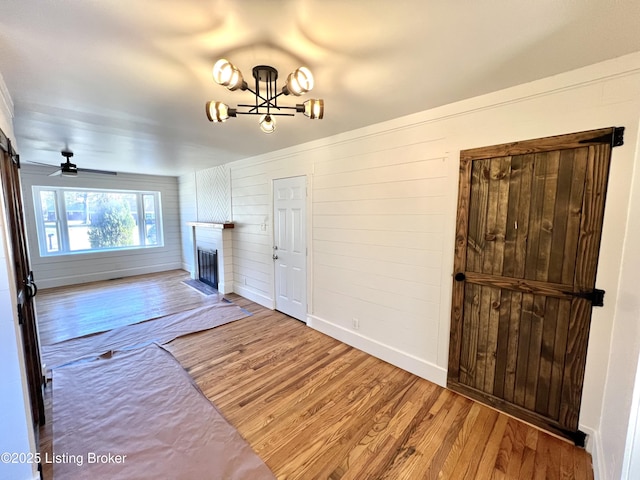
column 315, row 408
column 69, row 312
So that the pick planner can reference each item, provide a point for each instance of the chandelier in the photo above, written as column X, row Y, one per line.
column 266, row 94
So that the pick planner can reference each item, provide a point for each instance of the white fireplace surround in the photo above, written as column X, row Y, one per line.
column 214, row 236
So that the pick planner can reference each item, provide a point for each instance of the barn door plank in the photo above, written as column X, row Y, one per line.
column 459, row 265
column 575, row 212
column 561, row 216
column 512, row 346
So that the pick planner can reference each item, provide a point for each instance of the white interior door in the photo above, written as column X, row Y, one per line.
column 290, row 246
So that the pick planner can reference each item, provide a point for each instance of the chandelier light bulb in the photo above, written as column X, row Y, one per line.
column 219, row 112
column 222, row 71
column 314, row 109
column 228, row 75
column 267, row 124
column 299, row 82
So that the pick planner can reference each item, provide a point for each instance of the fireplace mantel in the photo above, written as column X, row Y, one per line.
column 224, row 246
column 221, row 226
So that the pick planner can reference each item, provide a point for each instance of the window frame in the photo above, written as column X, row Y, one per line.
column 62, row 221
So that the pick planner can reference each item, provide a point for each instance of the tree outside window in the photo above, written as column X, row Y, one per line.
column 111, row 224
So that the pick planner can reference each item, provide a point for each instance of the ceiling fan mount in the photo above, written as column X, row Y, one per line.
column 68, row 169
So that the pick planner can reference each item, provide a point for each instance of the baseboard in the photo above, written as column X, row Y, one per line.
column 410, row 363
column 594, row 447
column 106, row 275
column 254, row 296
column 224, row 287
column 187, row 267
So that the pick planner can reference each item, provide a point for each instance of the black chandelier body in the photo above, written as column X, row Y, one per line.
column 266, row 95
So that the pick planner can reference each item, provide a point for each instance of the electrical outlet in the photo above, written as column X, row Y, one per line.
column 355, row 322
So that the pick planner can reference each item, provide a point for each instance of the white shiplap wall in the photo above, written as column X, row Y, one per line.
column 381, row 224
column 213, row 188
column 188, row 213
column 53, row 271
column 382, row 209
column 252, row 243
column 378, row 240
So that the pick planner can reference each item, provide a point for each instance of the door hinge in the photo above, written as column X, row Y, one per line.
column 595, row 296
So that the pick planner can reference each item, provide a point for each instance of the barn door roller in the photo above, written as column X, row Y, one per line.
column 595, row 296
column 615, row 138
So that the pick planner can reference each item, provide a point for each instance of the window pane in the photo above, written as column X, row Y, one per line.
column 112, row 222
column 77, row 211
column 151, row 229
column 50, row 219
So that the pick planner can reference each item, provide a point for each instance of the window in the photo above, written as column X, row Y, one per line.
column 72, row 220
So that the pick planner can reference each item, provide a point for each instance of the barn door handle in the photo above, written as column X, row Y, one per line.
column 459, row 277
column 32, row 288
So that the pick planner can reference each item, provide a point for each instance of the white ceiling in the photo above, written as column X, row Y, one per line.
column 123, row 84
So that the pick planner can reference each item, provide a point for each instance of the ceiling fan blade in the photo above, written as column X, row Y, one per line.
column 31, row 162
column 101, row 172
column 83, row 170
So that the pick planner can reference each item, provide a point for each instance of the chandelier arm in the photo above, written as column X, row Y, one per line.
column 279, row 114
column 259, row 96
column 264, row 105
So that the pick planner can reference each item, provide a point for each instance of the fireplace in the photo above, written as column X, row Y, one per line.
column 213, row 237
column 208, row 267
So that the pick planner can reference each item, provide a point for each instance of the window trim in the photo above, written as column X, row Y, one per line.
column 62, row 225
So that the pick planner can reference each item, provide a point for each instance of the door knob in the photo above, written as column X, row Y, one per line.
column 275, row 257
column 460, row 277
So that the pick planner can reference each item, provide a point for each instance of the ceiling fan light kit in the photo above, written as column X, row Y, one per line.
column 266, row 105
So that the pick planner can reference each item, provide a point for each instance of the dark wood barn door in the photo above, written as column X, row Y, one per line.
column 527, row 241
column 25, row 286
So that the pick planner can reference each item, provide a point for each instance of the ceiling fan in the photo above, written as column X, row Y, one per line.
column 68, row 169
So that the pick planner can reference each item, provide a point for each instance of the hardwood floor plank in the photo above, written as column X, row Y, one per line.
column 467, row 464
column 457, row 447
column 487, row 462
column 447, row 428
column 505, row 450
column 517, row 452
column 313, row 407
